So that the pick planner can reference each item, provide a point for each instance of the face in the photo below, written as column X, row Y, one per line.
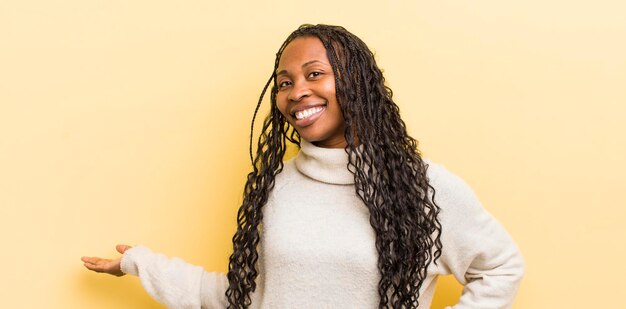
column 306, row 93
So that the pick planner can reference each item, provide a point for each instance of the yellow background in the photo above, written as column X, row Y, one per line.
column 128, row 122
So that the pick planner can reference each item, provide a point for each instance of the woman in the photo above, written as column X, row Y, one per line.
column 356, row 220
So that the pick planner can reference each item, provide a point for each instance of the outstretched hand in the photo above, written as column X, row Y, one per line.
column 107, row 266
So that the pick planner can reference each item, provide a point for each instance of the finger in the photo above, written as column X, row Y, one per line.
column 91, row 259
column 99, row 263
column 122, row 248
column 102, row 265
column 93, row 267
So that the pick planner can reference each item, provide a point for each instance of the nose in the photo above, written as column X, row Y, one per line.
column 299, row 90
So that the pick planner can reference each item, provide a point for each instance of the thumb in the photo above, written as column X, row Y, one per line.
column 122, row 248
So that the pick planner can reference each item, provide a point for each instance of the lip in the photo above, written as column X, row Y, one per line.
column 309, row 120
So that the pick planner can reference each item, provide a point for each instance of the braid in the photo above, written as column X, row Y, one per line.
column 256, row 110
column 389, row 173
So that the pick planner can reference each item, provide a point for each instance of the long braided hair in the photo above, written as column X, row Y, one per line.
column 389, row 173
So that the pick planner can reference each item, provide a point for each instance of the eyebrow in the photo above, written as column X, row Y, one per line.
column 284, row 72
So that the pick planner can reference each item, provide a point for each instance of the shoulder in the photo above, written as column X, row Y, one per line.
column 457, row 201
column 446, row 183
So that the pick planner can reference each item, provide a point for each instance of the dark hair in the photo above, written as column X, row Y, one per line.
column 390, row 176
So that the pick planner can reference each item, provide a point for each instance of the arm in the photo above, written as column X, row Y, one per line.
column 172, row 282
column 476, row 248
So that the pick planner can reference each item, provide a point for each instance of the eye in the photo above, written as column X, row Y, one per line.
column 315, row 74
column 283, row 84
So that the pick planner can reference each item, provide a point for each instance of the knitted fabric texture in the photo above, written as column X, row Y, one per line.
column 318, row 248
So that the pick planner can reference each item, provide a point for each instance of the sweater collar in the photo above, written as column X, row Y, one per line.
column 329, row 165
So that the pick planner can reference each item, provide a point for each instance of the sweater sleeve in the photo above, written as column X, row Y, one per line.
column 476, row 249
column 175, row 283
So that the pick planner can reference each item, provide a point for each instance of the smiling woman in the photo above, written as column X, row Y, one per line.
column 358, row 219
column 306, row 93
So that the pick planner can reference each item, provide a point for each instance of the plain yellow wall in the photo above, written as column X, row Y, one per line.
column 127, row 122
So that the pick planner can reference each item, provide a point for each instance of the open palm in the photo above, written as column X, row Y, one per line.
column 107, row 266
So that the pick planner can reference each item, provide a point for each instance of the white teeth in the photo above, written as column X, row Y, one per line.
column 308, row 112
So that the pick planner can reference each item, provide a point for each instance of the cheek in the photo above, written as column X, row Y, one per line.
column 281, row 104
column 329, row 88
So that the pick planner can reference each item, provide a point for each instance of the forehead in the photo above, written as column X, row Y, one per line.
column 302, row 50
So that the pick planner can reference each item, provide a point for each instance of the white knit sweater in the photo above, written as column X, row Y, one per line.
column 317, row 247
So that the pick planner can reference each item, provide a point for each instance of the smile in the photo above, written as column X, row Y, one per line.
column 309, row 112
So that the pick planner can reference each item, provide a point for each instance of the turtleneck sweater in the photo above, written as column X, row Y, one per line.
column 317, row 247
